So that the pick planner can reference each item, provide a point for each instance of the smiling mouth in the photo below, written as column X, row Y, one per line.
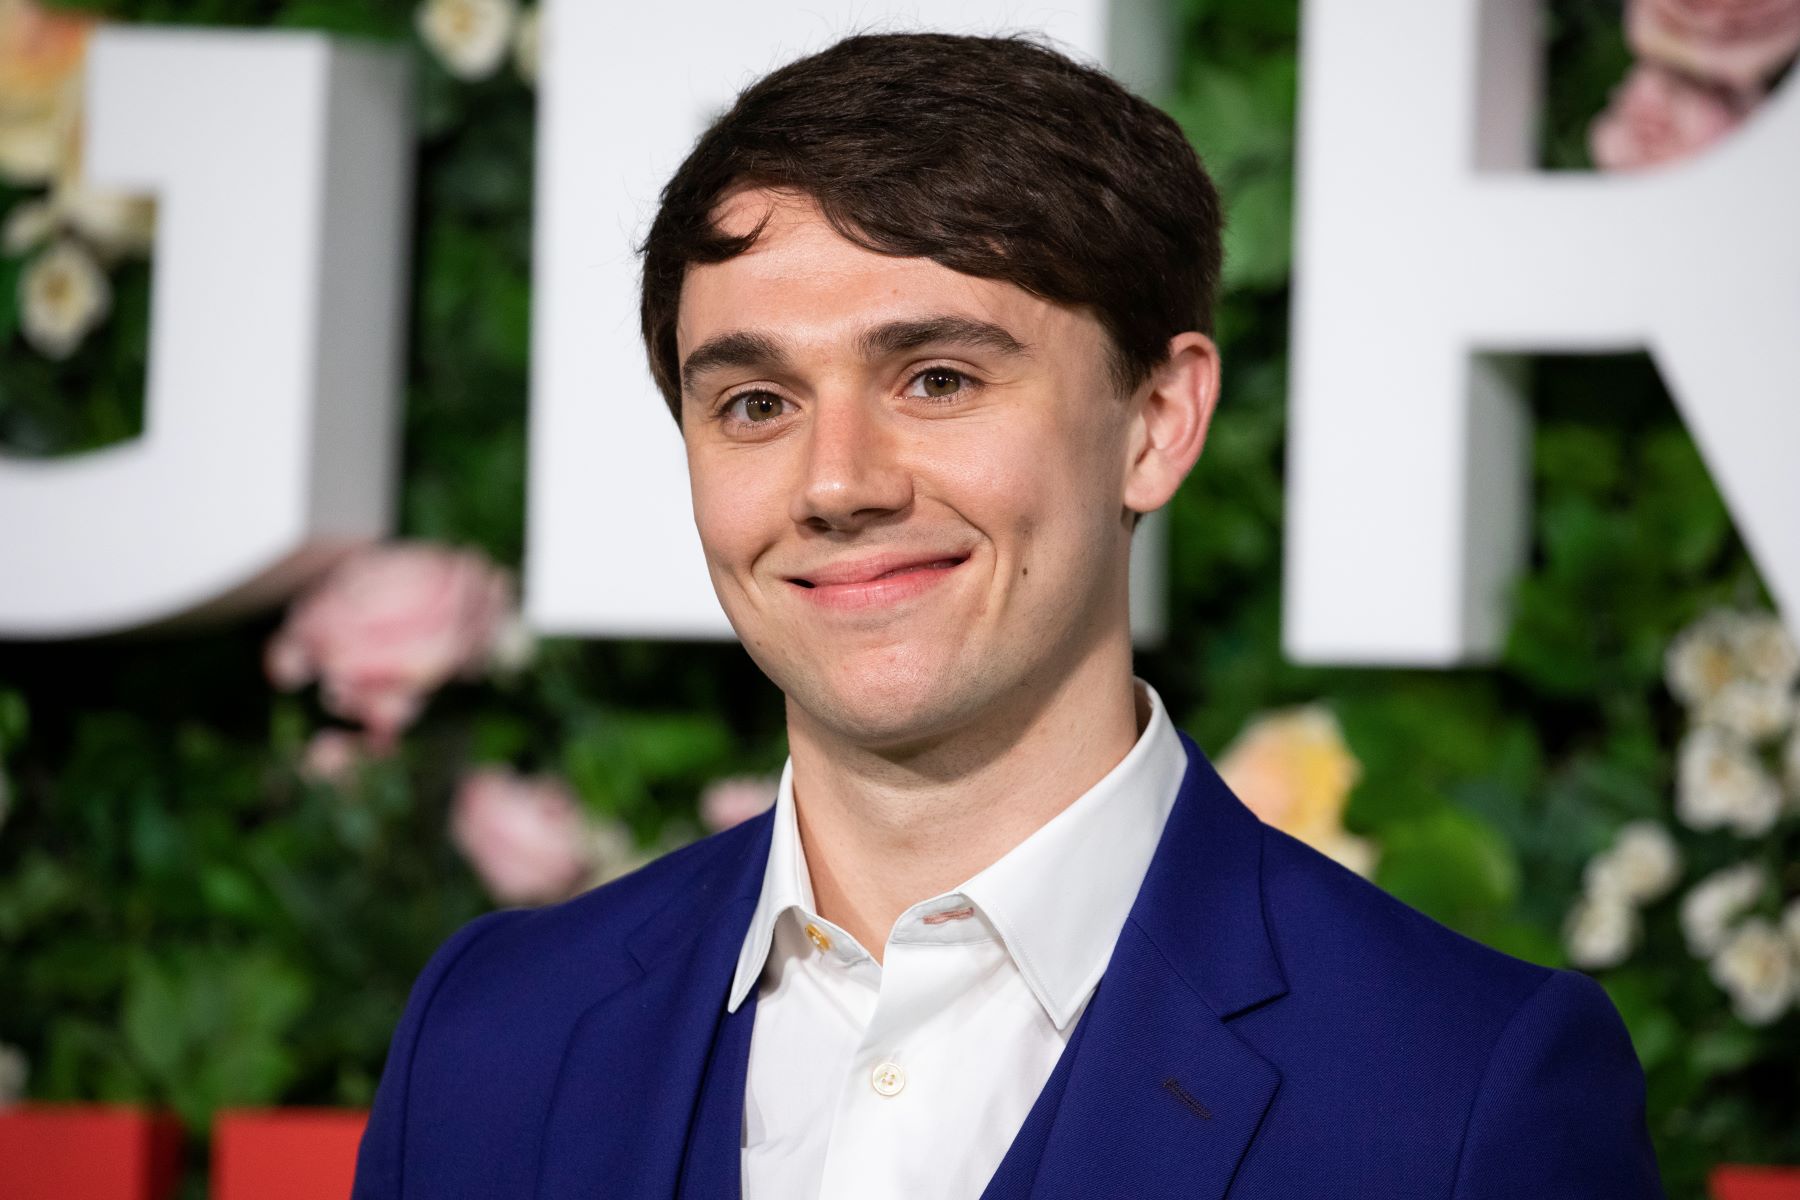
column 876, row 573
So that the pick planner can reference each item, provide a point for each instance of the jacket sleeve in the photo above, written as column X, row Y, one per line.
column 1560, row 1110
column 380, row 1157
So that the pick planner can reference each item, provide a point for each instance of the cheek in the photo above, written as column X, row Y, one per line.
column 735, row 509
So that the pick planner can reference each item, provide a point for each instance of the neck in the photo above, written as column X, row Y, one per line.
column 883, row 830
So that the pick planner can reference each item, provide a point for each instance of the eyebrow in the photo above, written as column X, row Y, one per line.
column 744, row 348
column 897, row 337
column 739, row 348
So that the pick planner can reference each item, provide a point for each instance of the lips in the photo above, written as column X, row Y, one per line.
column 875, row 570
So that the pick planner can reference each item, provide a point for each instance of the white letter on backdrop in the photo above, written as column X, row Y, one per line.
column 611, row 546
column 1426, row 242
column 281, row 165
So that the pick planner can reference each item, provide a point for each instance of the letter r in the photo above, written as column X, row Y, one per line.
column 1425, row 240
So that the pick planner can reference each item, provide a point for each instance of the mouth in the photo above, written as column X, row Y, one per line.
column 872, row 571
column 870, row 582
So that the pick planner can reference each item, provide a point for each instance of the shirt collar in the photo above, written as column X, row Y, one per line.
column 1058, row 899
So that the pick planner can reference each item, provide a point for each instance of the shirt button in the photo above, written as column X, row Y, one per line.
column 888, row 1079
column 818, row 936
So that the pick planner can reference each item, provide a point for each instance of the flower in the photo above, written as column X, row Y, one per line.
column 1719, row 783
column 332, row 757
column 469, row 37
column 1702, row 658
column 1601, row 931
column 731, row 801
column 1790, row 924
column 63, row 295
column 1710, row 907
column 1756, row 968
column 1749, row 708
column 525, row 837
column 1765, row 651
column 1739, row 43
column 1293, row 769
column 526, row 41
column 1656, row 116
column 41, row 53
column 1640, row 866
column 389, row 625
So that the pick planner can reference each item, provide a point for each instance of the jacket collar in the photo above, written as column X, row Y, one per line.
column 1162, row 1099
column 635, row 1059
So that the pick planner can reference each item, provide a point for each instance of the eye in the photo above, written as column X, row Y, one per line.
column 937, row 383
column 753, row 408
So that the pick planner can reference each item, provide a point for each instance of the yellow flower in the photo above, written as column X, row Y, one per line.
column 1293, row 769
column 40, row 87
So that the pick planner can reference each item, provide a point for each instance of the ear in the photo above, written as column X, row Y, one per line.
column 1174, row 407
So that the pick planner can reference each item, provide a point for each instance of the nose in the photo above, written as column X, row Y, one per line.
column 853, row 475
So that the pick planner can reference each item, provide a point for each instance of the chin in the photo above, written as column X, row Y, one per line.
column 886, row 705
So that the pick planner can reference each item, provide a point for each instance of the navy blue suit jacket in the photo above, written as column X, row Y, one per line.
column 1270, row 1027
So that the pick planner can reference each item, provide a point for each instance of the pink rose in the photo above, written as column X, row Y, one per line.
column 389, row 625
column 732, row 801
column 1656, row 116
column 526, row 838
column 1739, row 43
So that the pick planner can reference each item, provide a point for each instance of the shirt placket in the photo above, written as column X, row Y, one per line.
column 894, row 1089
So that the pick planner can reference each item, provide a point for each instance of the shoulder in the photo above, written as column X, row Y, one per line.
column 1519, row 1078
column 582, row 946
column 1335, row 931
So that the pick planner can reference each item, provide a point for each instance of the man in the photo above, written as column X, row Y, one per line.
column 931, row 313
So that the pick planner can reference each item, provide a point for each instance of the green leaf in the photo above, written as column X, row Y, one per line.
column 1450, row 866
column 1259, row 232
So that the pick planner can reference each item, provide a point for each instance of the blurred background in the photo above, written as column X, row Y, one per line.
column 225, row 851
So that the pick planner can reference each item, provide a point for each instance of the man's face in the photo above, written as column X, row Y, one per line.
column 907, row 480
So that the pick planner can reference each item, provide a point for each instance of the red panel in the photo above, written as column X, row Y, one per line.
column 285, row 1153
column 78, row 1152
column 1755, row 1183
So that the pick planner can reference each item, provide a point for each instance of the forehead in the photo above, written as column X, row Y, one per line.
column 807, row 286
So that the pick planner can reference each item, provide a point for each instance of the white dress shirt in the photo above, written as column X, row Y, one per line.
column 911, row 1076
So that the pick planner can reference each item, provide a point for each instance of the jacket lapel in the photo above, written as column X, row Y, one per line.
column 1163, row 1099
column 632, row 1071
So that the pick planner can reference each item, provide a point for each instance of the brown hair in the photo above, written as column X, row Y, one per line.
column 994, row 156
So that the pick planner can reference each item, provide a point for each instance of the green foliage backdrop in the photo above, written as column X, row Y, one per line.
column 185, row 920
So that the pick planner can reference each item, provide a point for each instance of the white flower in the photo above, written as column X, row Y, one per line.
column 515, row 646
column 1710, row 907
column 470, row 37
column 14, row 1071
column 1790, row 924
column 1756, row 968
column 1765, row 650
column 1750, row 708
column 613, row 851
column 63, row 295
column 28, row 226
column 1601, row 931
column 1640, row 866
column 1702, row 658
column 1719, row 784
column 526, row 41
column 1736, row 669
